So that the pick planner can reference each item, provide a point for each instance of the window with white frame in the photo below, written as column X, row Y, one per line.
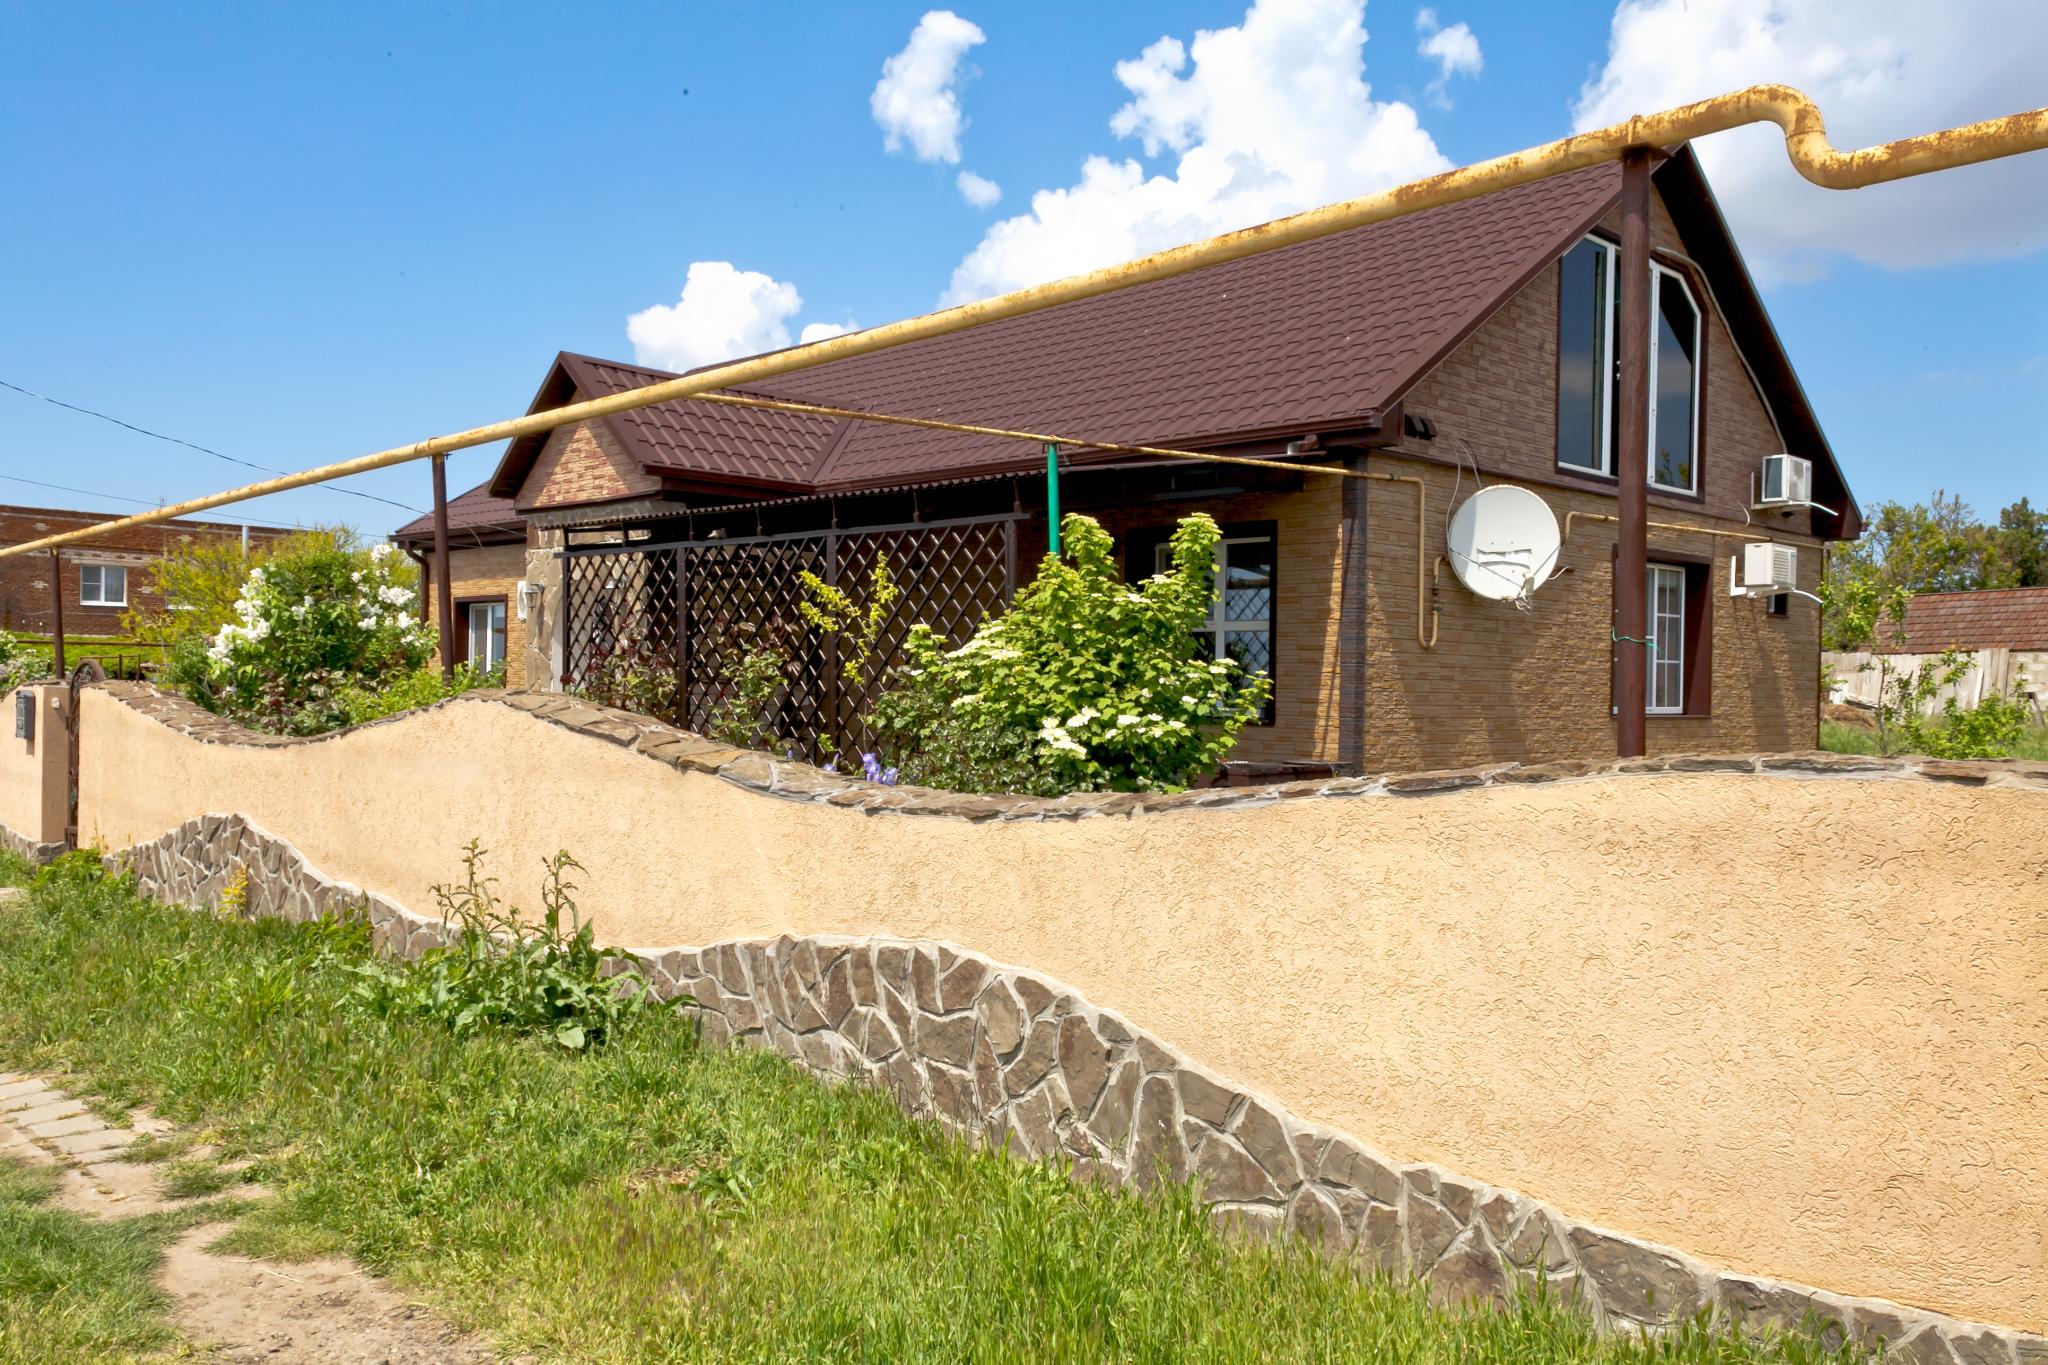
column 485, row 622
column 1588, row 378
column 1664, row 693
column 102, row 585
column 1240, row 624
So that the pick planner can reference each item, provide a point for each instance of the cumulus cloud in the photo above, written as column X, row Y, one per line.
column 1262, row 119
column 1455, row 50
column 915, row 101
column 722, row 312
column 978, row 190
column 823, row 331
column 1877, row 71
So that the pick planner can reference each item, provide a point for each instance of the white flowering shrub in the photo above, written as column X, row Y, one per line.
column 310, row 629
column 19, row 663
column 1086, row 683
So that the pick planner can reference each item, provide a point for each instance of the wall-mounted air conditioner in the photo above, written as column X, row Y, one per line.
column 1786, row 483
column 1764, row 570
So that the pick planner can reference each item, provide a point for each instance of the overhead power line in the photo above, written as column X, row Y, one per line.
column 139, row 502
column 191, row 445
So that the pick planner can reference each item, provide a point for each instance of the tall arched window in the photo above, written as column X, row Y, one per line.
column 1588, row 378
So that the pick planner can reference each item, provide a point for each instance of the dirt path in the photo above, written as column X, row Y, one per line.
column 232, row 1308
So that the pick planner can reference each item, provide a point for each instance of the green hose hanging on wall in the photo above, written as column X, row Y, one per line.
column 1052, row 497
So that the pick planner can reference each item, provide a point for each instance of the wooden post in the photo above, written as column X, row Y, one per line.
column 1632, row 458
column 444, row 596
column 57, row 612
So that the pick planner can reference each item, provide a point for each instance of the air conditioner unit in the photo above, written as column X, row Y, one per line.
column 1764, row 570
column 1787, row 482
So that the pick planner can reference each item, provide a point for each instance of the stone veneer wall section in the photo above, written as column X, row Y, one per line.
column 1011, row 1058
column 1675, row 997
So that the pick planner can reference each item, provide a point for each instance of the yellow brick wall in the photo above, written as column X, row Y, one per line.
column 489, row 571
column 582, row 463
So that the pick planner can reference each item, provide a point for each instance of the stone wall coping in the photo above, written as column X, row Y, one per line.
column 1003, row 1055
column 792, row 780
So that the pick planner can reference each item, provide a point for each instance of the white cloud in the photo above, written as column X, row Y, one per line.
column 1455, row 50
column 823, row 331
column 723, row 312
column 915, row 101
column 1264, row 119
column 978, row 190
column 1879, row 70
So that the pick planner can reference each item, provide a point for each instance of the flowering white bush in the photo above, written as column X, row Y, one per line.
column 1087, row 682
column 311, row 627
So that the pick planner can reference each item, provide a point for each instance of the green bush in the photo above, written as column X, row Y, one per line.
column 313, row 627
column 422, row 687
column 1087, row 683
column 501, row 970
column 19, row 662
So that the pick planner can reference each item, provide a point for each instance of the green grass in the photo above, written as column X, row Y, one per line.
column 1840, row 738
column 656, row 1201
column 74, row 1288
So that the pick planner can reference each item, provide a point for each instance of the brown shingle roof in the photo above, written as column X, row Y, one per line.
column 1999, row 618
column 475, row 517
column 1312, row 337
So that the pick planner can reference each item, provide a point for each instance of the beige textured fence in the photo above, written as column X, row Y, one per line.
column 1790, row 1016
column 2022, row 671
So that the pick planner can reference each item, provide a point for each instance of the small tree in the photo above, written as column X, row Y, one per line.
column 1088, row 682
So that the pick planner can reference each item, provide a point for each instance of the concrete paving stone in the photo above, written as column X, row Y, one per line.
column 24, row 1094
column 99, row 1140
column 45, row 1113
column 65, row 1127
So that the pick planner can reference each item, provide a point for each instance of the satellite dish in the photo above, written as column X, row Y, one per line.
column 1503, row 543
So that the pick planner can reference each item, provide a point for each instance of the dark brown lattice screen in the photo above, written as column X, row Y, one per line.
column 662, row 627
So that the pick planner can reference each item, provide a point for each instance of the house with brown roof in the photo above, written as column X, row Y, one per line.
column 486, row 564
column 2003, row 632
column 1469, row 345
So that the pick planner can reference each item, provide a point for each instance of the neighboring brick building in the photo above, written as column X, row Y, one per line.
column 486, row 561
column 1468, row 343
column 102, row 579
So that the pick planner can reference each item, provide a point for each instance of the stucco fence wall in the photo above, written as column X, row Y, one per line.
column 1789, row 1016
column 35, row 773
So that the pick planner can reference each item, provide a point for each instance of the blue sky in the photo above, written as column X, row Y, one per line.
column 299, row 233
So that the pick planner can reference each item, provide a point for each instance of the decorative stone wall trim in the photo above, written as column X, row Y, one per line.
column 1003, row 1055
column 794, row 781
column 28, row 848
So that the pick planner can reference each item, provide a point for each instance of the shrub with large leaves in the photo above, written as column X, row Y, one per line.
column 1086, row 683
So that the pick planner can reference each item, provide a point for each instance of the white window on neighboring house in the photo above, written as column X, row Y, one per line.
column 1664, row 693
column 102, row 585
column 1240, row 624
column 485, row 623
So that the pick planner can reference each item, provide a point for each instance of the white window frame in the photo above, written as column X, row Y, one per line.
column 1658, row 647
column 1218, row 628
column 500, row 635
column 1603, row 373
column 1660, row 274
column 102, row 600
column 1604, row 376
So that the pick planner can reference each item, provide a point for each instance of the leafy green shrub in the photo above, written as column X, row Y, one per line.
column 501, row 970
column 1990, row 729
column 1098, row 684
column 311, row 628
column 422, row 687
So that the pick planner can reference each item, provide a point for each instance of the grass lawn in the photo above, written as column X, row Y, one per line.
column 1840, row 738
column 658, row 1201
column 73, row 1288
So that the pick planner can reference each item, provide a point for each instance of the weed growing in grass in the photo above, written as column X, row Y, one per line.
column 502, row 970
column 192, row 1179
column 651, row 1200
